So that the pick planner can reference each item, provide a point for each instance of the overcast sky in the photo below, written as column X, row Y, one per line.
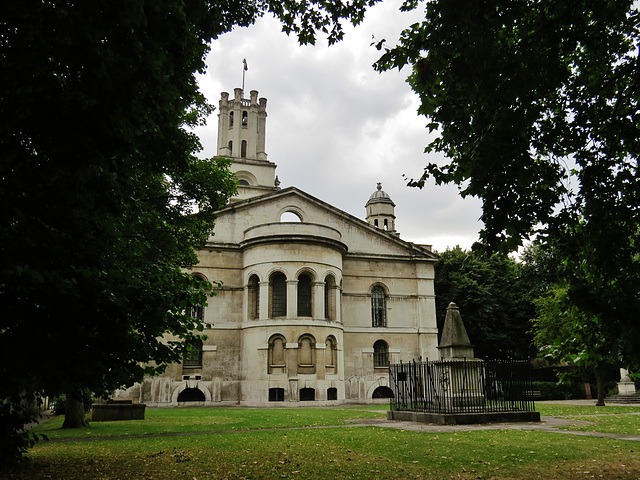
column 335, row 127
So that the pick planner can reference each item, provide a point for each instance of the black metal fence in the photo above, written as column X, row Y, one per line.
column 466, row 385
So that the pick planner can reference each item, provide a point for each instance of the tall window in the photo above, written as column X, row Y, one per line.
column 378, row 307
column 193, row 356
column 380, row 354
column 230, row 119
column 254, row 297
column 304, row 295
column 230, row 147
column 330, row 297
column 245, row 118
column 197, row 312
column 278, row 295
column 243, row 149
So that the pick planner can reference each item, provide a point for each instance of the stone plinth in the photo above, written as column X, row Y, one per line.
column 117, row 411
column 463, row 418
column 626, row 388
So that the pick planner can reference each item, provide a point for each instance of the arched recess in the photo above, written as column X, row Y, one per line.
column 191, row 395
column 183, row 386
column 306, row 354
column 330, row 291
column 331, row 355
column 277, row 354
column 291, row 213
column 382, row 392
column 246, row 178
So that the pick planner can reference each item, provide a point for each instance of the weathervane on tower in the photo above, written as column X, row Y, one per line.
column 244, row 69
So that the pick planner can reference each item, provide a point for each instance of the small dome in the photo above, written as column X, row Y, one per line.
column 380, row 196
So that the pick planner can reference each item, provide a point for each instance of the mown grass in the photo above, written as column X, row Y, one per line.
column 215, row 419
column 238, row 451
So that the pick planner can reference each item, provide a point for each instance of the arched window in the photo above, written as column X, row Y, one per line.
column 193, row 356
column 243, row 183
column 375, row 222
column 332, row 393
column 380, row 354
column 277, row 360
column 254, row 297
column 230, row 119
column 378, row 307
column 230, row 147
column 197, row 312
column 386, row 224
column 304, row 295
column 382, row 392
column 290, row 217
column 307, row 394
column 330, row 297
column 278, row 295
column 191, row 395
column 276, row 394
column 243, row 150
column 245, row 118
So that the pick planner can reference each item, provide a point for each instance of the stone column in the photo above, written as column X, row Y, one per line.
column 318, row 300
column 264, row 301
column 292, row 298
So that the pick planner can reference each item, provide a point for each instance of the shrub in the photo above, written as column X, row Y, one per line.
column 558, row 391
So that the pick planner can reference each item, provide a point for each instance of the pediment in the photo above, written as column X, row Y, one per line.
column 239, row 221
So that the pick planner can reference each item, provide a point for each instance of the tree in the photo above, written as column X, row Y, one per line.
column 565, row 333
column 536, row 106
column 493, row 298
column 103, row 198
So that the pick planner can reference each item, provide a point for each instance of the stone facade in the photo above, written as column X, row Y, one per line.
column 313, row 303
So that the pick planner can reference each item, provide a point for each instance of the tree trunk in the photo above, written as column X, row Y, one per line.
column 600, row 385
column 74, row 416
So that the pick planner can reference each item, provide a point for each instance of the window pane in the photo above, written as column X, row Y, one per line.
column 279, row 295
column 304, row 296
column 378, row 307
column 193, row 358
column 380, row 354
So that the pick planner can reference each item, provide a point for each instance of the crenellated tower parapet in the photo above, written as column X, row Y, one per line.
column 242, row 126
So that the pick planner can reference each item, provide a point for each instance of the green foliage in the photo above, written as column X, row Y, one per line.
column 558, row 390
column 563, row 332
column 493, row 295
column 536, row 105
column 104, row 200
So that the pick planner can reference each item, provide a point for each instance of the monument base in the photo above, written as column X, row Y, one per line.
column 463, row 418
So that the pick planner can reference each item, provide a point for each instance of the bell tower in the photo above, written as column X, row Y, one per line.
column 241, row 138
column 381, row 211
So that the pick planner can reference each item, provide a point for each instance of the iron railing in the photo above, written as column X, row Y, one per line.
column 466, row 385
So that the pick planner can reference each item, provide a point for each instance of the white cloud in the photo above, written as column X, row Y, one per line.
column 336, row 127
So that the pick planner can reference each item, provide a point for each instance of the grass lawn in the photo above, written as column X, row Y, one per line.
column 246, row 443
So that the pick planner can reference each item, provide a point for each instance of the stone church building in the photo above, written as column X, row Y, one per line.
column 314, row 303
